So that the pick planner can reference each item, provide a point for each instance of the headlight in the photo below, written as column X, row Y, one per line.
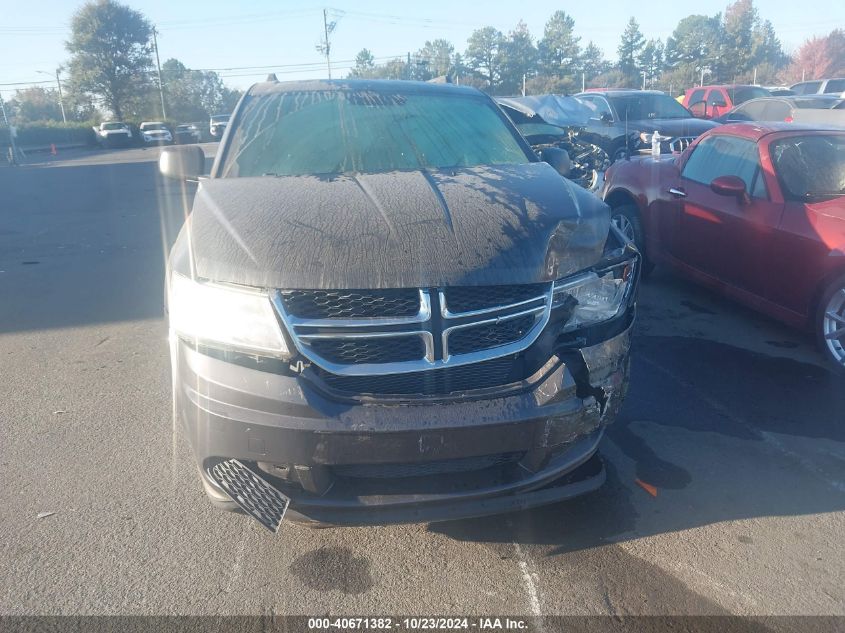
column 223, row 315
column 594, row 297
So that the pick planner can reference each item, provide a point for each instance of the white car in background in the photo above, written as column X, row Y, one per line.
column 155, row 132
column 217, row 125
column 113, row 133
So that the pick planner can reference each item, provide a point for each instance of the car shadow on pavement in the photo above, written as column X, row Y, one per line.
column 91, row 239
column 686, row 397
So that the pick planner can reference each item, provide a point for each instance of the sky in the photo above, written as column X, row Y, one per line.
column 234, row 38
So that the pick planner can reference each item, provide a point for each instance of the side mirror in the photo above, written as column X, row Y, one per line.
column 557, row 158
column 732, row 186
column 184, row 162
column 606, row 118
column 699, row 109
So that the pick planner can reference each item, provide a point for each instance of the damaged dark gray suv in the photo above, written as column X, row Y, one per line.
column 384, row 308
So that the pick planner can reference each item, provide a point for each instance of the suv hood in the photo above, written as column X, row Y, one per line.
column 673, row 127
column 509, row 224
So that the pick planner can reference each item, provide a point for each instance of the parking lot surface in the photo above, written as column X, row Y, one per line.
column 731, row 421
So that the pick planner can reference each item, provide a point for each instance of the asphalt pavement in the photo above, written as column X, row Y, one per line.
column 731, row 417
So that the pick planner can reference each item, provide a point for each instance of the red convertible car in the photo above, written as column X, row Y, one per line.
column 755, row 211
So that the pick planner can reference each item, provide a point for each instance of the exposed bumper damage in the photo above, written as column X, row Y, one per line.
column 466, row 455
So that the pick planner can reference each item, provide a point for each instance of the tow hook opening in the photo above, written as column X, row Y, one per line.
column 583, row 387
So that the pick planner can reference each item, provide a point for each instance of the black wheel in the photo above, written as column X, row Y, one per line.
column 627, row 219
column 619, row 152
column 830, row 323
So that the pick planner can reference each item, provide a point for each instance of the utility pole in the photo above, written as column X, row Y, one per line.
column 583, row 82
column 643, row 80
column 61, row 98
column 523, row 84
column 326, row 45
column 59, row 86
column 158, row 68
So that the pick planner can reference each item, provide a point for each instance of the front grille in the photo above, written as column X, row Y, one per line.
column 425, row 469
column 392, row 349
column 436, row 382
column 472, row 339
column 680, row 143
column 412, row 330
column 470, row 298
column 351, row 304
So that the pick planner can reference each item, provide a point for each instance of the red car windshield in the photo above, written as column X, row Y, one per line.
column 810, row 167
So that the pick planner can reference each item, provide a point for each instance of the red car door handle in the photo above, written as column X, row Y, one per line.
column 678, row 193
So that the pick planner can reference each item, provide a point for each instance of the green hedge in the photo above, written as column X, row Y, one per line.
column 44, row 133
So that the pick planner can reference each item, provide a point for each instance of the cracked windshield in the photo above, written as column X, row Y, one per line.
column 408, row 317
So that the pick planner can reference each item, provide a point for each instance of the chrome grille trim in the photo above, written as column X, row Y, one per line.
column 422, row 316
column 446, row 314
column 537, row 312
column 428, row 340
column 423, row 325
column 680, row 143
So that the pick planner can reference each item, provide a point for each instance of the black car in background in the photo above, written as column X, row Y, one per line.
column 558, row 121
column 623, row 122
column 187, row 133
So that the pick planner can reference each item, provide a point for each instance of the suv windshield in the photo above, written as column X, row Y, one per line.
column 220, row 118
column 648, row 106
column 153, row 126
column 329, row 132
column 113, row 126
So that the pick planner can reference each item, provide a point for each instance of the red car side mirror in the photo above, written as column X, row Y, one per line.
column 732, row 186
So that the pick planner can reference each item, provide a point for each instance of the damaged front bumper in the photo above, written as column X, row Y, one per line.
column 386, row 462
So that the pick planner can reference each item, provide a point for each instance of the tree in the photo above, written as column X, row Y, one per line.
column 37, row 104
column 819, row 57
column 436, row 57
column 593, row 62
column 738, row 28
column 519, row 59
column 651, row 60
column 559, row 49
column 193, row 95
column 483, row 55
column 110, row 53
column 629, row 50
column 364, row 64
column 766, row 47
column 692, row 47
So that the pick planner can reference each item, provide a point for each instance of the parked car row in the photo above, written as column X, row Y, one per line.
column 120, row 134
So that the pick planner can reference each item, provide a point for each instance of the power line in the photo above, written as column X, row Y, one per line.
column 303, row 64
column 26, row 83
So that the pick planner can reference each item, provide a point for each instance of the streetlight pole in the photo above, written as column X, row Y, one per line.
column 158, row 68
column 61, row 97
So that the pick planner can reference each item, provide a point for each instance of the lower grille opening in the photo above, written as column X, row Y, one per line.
column 424, row 469
column 491, row 373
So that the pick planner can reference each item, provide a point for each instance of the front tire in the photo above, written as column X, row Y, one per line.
column 627, row 219
column 830, row 324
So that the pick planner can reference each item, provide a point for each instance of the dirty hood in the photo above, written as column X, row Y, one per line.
column 475, row 226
